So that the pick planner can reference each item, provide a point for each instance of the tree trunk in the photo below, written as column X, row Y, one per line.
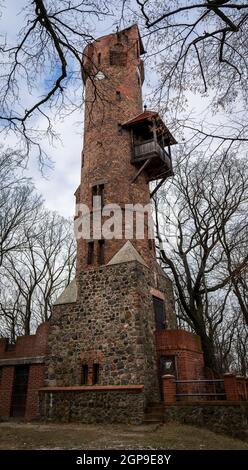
column 207, row 348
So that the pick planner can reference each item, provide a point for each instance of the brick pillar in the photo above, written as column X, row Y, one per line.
column 231, row 388
column 35, row 382
column 241, row 382
column 169, row 389
column 7, row 381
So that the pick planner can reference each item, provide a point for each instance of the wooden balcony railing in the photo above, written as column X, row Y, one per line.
column 150, row 149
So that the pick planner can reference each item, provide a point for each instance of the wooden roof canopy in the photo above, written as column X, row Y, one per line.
column 152, row 116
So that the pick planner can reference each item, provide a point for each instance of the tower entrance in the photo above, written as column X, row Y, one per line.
column 19, row 394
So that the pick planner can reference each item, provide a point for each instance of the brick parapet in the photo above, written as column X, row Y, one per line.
column 26, row 346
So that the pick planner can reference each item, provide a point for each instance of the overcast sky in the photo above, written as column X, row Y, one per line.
column 60, row 182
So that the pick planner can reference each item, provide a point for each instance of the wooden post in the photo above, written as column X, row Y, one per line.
column 141, row 169
column 154, row 131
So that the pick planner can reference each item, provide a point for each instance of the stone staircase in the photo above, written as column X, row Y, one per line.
column 154, row 413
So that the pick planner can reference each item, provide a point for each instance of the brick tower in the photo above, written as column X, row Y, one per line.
column 123, row 146
column 102, row 347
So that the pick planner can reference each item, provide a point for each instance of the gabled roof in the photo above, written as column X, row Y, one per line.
column 69, row 295
column 146, row 116
column 125, row 254
column 141, row 117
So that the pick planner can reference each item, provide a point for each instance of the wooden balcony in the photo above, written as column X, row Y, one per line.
column 160, row 165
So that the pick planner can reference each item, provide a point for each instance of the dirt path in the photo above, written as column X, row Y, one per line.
column 79, row 436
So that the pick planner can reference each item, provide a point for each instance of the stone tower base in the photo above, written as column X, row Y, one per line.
column 111, row 325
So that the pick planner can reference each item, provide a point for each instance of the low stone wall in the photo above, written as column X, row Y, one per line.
column 93, row 404
column 227, row 418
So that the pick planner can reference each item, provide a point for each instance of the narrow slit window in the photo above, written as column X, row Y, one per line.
column 99, row 58
column 101, row 193
column 96, row 370
column 118, row 95
column 98, row 190
column 90, row 253
column 159, row 310
column 94, row 193
column 119, row 129
column 85, row 373
column 101, row 246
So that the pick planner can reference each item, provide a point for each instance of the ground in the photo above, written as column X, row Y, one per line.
column 79, row 436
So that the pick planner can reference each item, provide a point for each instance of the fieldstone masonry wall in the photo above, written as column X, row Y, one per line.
column 112, row 324
column 228, row 418
column 93, row 406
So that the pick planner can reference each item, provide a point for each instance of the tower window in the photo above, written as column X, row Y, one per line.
column 94, row 193
column 101, row 193
column 90, row 258
column 159, row 310
column 101, row 246
column 119, row 129
column 96, row 370
column 99, row 58
column 118, row 57
column 84, row 376
column 118, row 95
column 98, row 190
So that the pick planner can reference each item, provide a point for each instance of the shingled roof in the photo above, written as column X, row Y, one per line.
column 148, row 115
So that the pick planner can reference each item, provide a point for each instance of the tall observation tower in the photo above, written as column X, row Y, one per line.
column 103, row 327
column 112, row 335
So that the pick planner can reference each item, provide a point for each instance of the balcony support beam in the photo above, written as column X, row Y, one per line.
column 142, row 168
column 157, row 187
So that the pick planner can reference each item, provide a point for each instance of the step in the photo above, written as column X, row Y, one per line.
column 154, row 414
column 150, row 409
column 156, row 405
column 152, row 421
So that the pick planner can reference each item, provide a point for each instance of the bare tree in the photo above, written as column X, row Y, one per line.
column 19, row 204
column 46, row 60
column 37, row 276
column 205, row 198
column 57, row 250
column 202, row 45
column 197, row 49
column 235, row 252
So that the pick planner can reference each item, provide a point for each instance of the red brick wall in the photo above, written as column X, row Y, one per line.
column 35, row 382
column 6, row 384
column 187, row 349
column 106, row 153
column 26, row 346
